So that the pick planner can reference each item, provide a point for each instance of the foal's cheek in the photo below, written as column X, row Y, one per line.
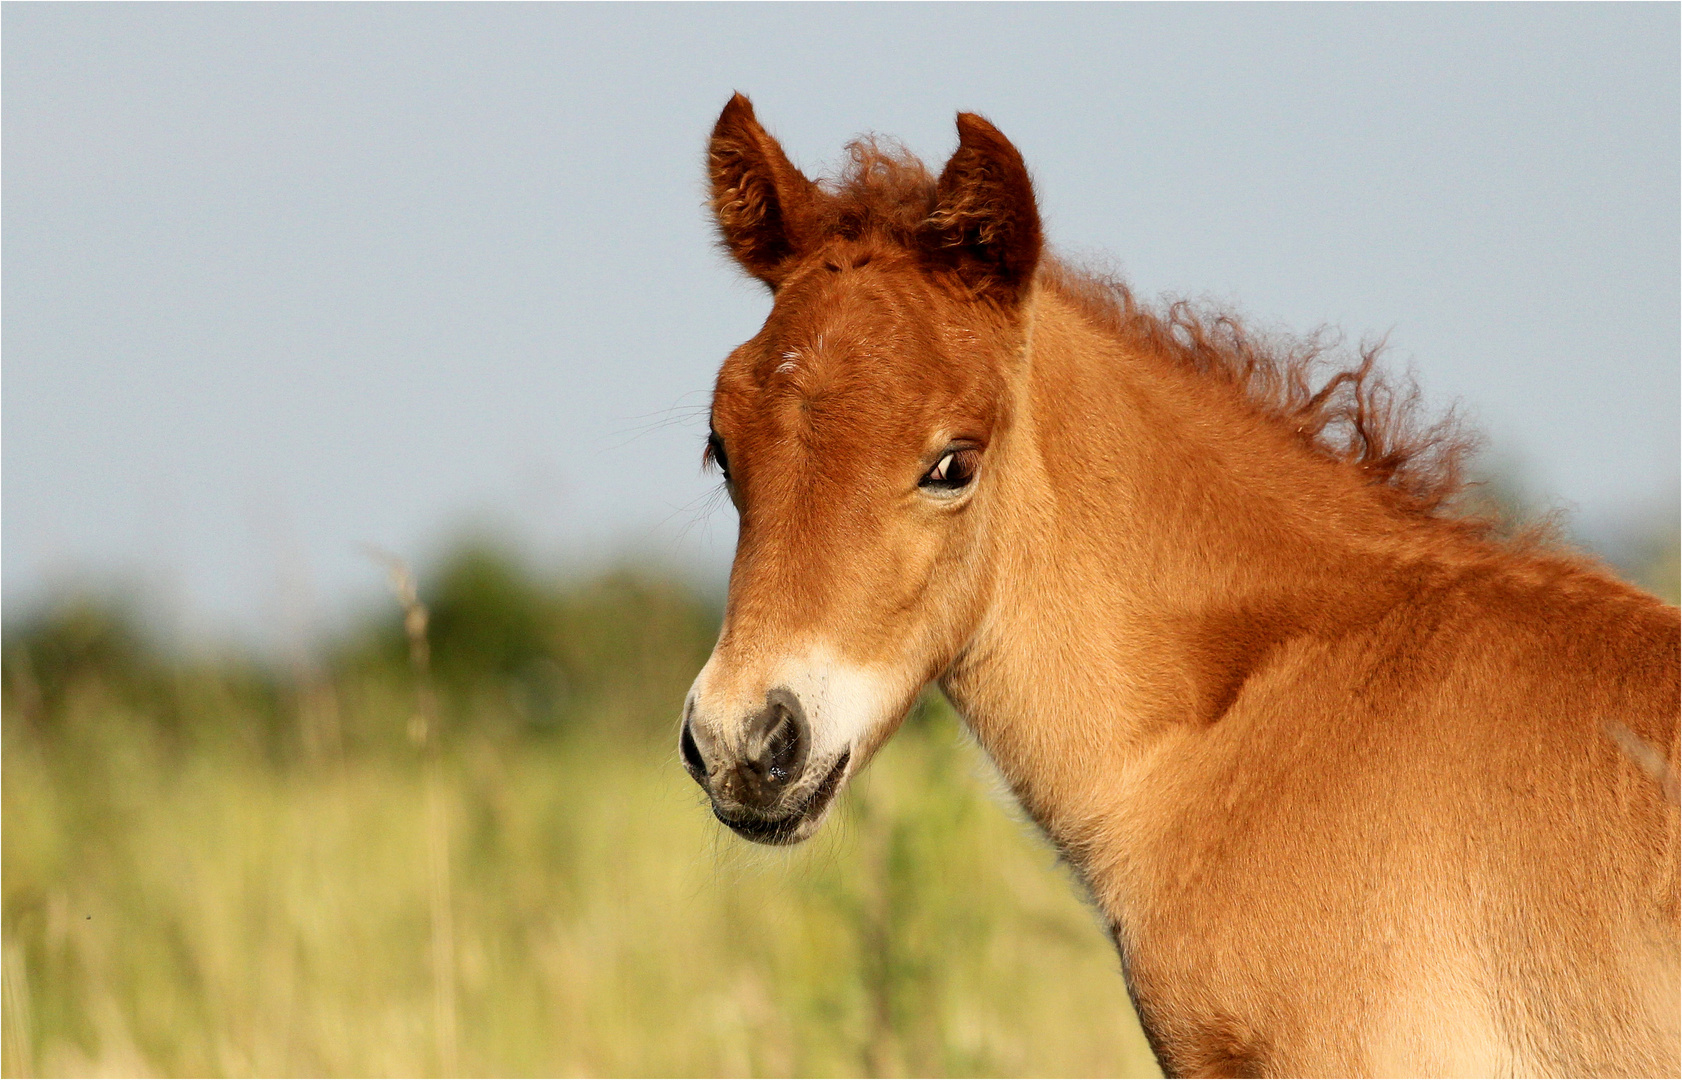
column 894, row 603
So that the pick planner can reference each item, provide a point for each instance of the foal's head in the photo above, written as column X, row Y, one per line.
column 861, row 433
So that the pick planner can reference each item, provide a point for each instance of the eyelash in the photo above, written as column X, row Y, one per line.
column 713, row 455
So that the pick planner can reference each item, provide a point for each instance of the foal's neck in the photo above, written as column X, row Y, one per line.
column 1155, row 535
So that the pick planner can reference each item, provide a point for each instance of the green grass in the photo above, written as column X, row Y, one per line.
column 206, row 903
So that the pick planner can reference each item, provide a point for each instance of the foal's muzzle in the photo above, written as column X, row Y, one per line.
column 762, row 787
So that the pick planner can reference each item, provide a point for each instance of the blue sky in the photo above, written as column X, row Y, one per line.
column 284, row 280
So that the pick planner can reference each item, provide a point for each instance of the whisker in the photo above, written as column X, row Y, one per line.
column 676, row 414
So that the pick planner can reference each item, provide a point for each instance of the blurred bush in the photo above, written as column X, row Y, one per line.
column 516, row 653
column 1658, row 567
column 83, row 664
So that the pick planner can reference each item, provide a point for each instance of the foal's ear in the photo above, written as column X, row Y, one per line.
column 985, row 224
column 764, row 206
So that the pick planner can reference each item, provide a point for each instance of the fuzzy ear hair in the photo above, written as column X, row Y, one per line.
column 985, row 224
column 764, row 206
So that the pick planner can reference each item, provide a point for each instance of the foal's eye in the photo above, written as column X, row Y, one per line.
column 714, row 455
column 955, row 469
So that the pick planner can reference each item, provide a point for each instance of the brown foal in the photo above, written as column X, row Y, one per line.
column 1331, row 757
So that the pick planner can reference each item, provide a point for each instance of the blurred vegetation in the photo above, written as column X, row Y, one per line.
column 1645, row 549
column 1657, row 566
column 215, row 865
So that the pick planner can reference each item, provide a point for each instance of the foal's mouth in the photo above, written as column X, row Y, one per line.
column 789, row 828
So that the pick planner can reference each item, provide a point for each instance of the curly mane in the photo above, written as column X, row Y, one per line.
column 882, row 190
column 1341, row 405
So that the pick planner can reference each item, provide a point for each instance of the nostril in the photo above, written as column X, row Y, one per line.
column 778, row 745
column 782, row 747
column 691, row 753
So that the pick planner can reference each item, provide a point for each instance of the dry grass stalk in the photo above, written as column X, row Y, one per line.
column 19, row 1057
column 424, row 729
